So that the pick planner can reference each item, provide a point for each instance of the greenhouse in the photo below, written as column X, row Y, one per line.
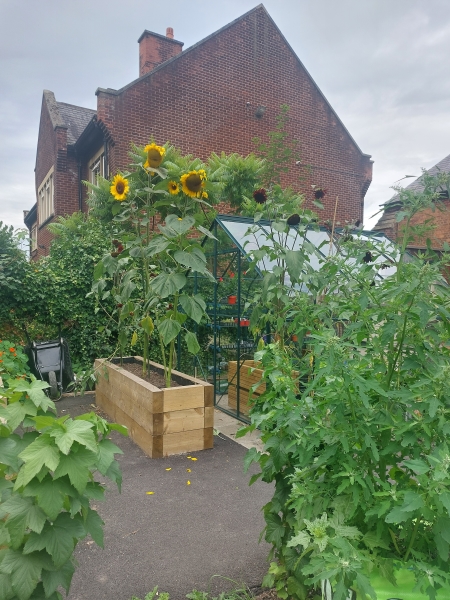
column 227, row 361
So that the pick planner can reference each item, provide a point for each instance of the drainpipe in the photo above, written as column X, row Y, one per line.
column 80, row 189
column 106, row 159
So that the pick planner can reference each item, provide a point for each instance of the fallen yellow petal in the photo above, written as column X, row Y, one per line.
column 193, row 458
column 188, row 482
column 150, row 493
column 169, row 469
column 189, row 470
column 188, row 456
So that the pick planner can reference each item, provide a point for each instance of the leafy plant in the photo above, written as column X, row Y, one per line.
column 357, row 444
column 146, row 273
column 47, row 468
column 13, row 362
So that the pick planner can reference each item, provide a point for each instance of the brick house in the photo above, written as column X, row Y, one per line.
column 439, row 218
column 215, row 96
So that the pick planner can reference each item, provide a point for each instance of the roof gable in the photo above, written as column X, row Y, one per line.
column 76, row 119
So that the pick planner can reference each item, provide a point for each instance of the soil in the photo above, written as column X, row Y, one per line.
column 154, row 376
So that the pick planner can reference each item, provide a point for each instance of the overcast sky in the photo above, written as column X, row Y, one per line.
column 382, row 64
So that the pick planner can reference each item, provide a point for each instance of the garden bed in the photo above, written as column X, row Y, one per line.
column 161, row 421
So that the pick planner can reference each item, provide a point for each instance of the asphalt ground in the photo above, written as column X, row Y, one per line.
column 203, row 535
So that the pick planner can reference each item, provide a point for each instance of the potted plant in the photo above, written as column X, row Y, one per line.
column 157, row 215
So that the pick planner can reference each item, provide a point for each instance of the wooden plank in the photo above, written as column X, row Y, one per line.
column 209, row 416
column 190, row 396
column 183, row 441
column 184, row 420
column 208, row 438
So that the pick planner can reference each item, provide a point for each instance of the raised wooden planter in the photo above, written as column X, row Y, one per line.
column 161, row 421
column 246, row 380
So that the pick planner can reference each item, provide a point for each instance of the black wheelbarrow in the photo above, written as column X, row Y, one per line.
column 50, row 361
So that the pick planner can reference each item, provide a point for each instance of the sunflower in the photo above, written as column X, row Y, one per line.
column 293, row 219
column 320, row 193
column 192, row 183
column 155, row 155
column 260, row 196
column 204, row 195
column 174, row 188
column 119, row 188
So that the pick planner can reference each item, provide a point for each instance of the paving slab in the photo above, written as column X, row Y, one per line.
column 183, row 536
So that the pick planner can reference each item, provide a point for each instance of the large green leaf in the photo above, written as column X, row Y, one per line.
column 6, row 591
column 74, row 431
column 50, row 494
column 417, row 465
column 194, row 260
column 54, row 579
column 168, row 284
column 294, row 263
column 58, row 538
column 168, row 329
column 156, row 245
column 21, row 513
column 192, row 343
column 25, row 572
column 274, row 529
column 77, row 466
column 105, row 454
column 38, row 454
column 94, row 526
column 193, row 306
column 9, row 453
column 175, row 226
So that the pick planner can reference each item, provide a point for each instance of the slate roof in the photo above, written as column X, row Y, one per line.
column 388, row 218
column 76, row 118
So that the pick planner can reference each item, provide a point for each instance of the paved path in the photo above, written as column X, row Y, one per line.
column 180, row 537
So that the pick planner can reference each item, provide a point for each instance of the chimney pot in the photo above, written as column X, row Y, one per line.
column 169, row 33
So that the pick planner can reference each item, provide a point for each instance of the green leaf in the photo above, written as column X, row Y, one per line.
column 8, row 453
column 50, row 494
column 397, row 515
column 168, row 329
column 412, row 501
column 192, row 343
column 52, row 580
column 74, row 431
column 94, row 526
column 25, row 571
column 77, row 466
column 417, row 465
column 274, row 529
column 168, row 284
column 156, row 245
column 193, row 306
column 105, row 456
column 445, row 499
column 194, row 260
column 251, row 456
column 21, row 513
column 174, row 226
column 58, row 538
column 206, row 232
column 38, row 454
column 147, row 325
column 6, row 591
column 294, row 263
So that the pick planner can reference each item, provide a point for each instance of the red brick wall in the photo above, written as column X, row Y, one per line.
column 206, row 99
column 52, row 151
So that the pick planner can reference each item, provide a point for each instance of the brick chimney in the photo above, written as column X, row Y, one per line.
column 154, row 49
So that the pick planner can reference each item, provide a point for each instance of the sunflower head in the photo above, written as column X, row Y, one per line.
column 260, row 196
column 173, row 187
column 192, row 183
column 293, row 219
column 319, row 193
column 119, row 188
column 155, row 155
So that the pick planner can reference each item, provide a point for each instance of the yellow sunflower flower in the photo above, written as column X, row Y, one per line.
column 119, row 188
column 192, row 183
column 155, row 155
column 204, row 195
column 174, row 188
